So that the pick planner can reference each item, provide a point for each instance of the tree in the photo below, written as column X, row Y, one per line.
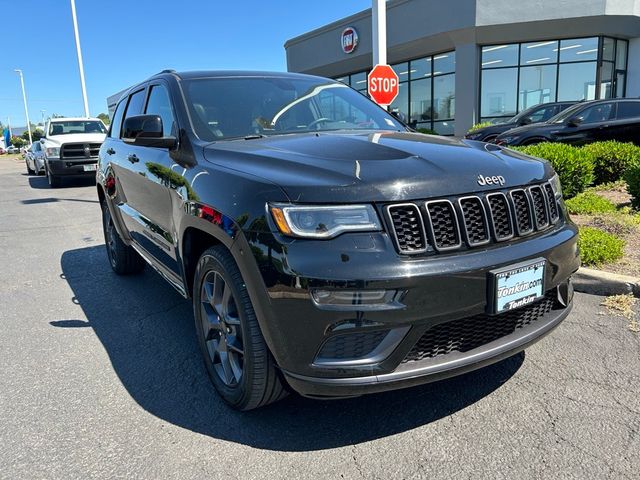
column 18, row 142
column 105, row 118
column 36, row 134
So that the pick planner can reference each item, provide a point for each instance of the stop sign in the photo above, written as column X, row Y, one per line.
column 383, row 84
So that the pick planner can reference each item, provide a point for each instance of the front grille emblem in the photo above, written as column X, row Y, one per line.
column 87, row 151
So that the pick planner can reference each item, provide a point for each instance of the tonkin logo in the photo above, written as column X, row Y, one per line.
column 495, row 180
column 349, row 40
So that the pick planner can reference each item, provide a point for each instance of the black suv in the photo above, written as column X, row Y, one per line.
column 535, row 114
column 595, row 121
column 327, row 248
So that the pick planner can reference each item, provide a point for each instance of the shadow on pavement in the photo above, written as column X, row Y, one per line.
column 40, row 182
column 147, row 330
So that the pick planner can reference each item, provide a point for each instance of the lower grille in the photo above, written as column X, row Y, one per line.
column 468, row 333
column 349, row 346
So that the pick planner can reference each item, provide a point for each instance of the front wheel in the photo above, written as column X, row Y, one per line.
column 54, row 180
column 236, row 356
column 124, row 260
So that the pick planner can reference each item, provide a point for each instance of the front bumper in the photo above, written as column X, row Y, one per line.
column 76, row 168
column 438, row 290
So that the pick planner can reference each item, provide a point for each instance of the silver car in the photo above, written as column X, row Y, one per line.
column 34, row 158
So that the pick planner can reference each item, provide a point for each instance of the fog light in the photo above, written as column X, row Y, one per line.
column 356, row 299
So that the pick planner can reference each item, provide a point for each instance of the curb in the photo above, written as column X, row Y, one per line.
column 597, row 282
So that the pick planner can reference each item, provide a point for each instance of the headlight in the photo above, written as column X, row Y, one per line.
column 52, row 152
column 556, row 186
column 324, row 221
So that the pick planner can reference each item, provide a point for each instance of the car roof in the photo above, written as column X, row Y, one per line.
column 65, row 119
column 233, row 73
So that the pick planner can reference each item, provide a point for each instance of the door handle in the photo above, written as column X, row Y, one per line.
column 133, row 158
column 111, row 151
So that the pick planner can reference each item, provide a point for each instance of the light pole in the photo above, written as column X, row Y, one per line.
column 379, row 21
column 42, row 113
column 80, row 65
column 24, row 97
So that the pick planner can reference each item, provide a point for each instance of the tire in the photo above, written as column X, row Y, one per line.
column 54, row 180
column 124, row 260
column 29, row 170
column 236, row 356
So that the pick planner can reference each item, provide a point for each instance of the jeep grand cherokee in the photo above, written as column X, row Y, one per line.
column 327, row 248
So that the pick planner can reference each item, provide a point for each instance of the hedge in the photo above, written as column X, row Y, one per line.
column 598, row 247
column 632, row 177
column 611, row 159
column 589, row 203
column 574, row 165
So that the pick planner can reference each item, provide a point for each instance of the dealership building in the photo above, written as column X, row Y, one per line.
column 464, row 61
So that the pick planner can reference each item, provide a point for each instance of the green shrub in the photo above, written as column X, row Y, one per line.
column 611, row 159
column 573, row 165
column 479, row 126
column 632, row 177
column 598, row 247
column 589, row 203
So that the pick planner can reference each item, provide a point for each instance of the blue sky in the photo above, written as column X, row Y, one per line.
column 124, row 42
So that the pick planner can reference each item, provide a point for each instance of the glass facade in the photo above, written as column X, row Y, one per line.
column 426, row 98
column 517, row 76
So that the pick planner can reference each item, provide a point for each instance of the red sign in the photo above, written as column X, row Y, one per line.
column 349, row 40
column 383, row 84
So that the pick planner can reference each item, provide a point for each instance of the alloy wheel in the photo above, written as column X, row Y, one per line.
column 221, row 328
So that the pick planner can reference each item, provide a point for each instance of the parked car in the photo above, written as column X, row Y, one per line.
column 595, row 121
column 2, row 151
column 324, row 245
column 34, row 158
column 11, row 150
column 535, row 114
column 71, row 148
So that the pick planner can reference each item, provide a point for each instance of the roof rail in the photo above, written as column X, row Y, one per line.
column 168, row 70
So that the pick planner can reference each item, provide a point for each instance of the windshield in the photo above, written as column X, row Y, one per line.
column 565, row 114
column 76, row 126
column 238, row 107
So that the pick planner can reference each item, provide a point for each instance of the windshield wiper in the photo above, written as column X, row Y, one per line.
column 254, row 136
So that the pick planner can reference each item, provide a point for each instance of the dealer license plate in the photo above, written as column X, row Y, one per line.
column 519, row 285
column 90, row 168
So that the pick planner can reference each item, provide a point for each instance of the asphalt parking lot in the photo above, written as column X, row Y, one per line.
column 100, row 377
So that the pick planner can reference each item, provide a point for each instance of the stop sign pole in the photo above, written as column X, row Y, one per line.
column 382, row 81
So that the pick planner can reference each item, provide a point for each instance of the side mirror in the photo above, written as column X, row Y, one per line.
column 146, row 131
column 575, row 121
column 526, row 121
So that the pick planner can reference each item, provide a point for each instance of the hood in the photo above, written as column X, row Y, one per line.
column 75, row 138
column 540, row 127
column 381, row 166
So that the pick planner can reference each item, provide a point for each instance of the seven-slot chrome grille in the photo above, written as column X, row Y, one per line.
column 444, row 224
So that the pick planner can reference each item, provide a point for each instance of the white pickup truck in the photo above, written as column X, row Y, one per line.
column 71, row 147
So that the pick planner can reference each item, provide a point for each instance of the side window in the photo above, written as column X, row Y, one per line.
column 135, row 104
column 116, row 121
column 543, row 114
column 628, row 110
column 160, row 104
column 596, row 113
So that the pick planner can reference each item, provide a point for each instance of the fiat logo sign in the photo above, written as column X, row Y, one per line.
column 349, row 40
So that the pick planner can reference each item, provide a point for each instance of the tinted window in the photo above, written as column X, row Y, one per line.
column 628, row 110
column 160, row 104
column 135, row 104
column 596, row 113
column 116, row 121
column 543, row 114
